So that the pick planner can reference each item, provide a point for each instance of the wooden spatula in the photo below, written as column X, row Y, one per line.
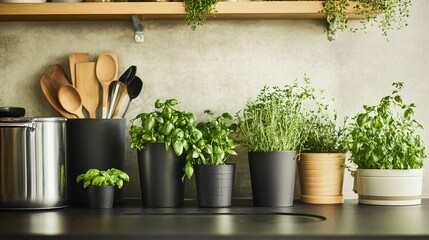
column 73, row 59
column 88, row 87
column 52, row 80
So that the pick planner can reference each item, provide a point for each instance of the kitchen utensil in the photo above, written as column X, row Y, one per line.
column 121, row 106
column 126, row 77
column 50, row 83
column 134, row 88
column 33, row 163
column 73, row 59
column 106, row 71
column 14, row 112
column 88, row 87
column 70, row 100
column 115, row 89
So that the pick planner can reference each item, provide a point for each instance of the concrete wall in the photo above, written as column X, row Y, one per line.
column 224, row 63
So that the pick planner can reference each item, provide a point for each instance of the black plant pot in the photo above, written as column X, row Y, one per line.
column 214, row 185
column 101, row 197
column 93, row 143
column 272, row 176
column 161, row 176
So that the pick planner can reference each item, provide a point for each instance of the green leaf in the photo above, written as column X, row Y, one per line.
column 150, row 123
column 227, row 116
column 189, row 170
column 159, row 104
column 172, row 102
column 120, row 183
column 178, row 148
column 80, row 178
column 168, row 127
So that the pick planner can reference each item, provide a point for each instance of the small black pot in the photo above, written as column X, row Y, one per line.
column 101, row 197
column 161, row 176
column 214, row 185
column 272, row 176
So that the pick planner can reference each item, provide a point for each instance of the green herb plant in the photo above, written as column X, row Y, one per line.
column 385, row 136
column 215, row 146
column 325, row 135
column 95, row 177
column 166, row 125
column 387, row 14
column 275, row 120
column 195, row 10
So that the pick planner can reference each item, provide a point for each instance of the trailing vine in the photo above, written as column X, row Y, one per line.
column 387, row 14
column 195, row 10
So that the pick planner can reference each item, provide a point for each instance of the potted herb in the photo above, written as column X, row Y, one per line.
column 321, row 162
column 101, row 185
column 214, row 178
column 195, row 10
column 387, row 151
column 389, row 15
column 161, row 137
column 272, row 128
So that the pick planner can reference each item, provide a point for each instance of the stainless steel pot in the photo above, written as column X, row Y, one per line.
column 32, row 163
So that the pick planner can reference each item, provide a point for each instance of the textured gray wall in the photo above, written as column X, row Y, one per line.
column 222, row 64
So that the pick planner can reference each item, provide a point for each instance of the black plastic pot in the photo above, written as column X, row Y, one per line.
column 93, row 143
column 214, row 185
column 161, row 176
column 272, row 176
column 101, row 197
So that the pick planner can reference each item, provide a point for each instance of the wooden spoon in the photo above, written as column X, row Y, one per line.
column 106, row 71
column 70, row 100
column 51, row 82
column 73, row 59
column 88, row 87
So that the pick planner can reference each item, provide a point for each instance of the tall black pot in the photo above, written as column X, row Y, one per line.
column 272, row 176
column 214, row 185
column 93, row 143
column 161, row 176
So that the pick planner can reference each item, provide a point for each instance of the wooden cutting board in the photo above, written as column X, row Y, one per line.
column 88, row 87
column 52, row 80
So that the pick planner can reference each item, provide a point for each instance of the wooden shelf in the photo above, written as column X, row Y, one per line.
column 158, row 10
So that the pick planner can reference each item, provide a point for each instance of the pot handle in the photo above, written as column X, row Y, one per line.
column 29, row 125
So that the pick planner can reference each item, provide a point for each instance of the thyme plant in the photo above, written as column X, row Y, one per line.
column 385, row 136
column 387, row 14
column 325, row 136
column 275, row 120
column 195, row 10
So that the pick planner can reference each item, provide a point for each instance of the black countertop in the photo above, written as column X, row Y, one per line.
column 242, row 221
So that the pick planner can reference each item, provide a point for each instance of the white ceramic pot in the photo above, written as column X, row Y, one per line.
column 389, row 187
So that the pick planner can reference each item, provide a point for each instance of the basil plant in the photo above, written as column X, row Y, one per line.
column 165, row 125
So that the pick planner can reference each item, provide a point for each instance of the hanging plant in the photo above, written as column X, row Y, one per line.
column 387, row 14
column 195, row 10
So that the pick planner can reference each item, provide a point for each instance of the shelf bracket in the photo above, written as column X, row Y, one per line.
column 138, row 29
